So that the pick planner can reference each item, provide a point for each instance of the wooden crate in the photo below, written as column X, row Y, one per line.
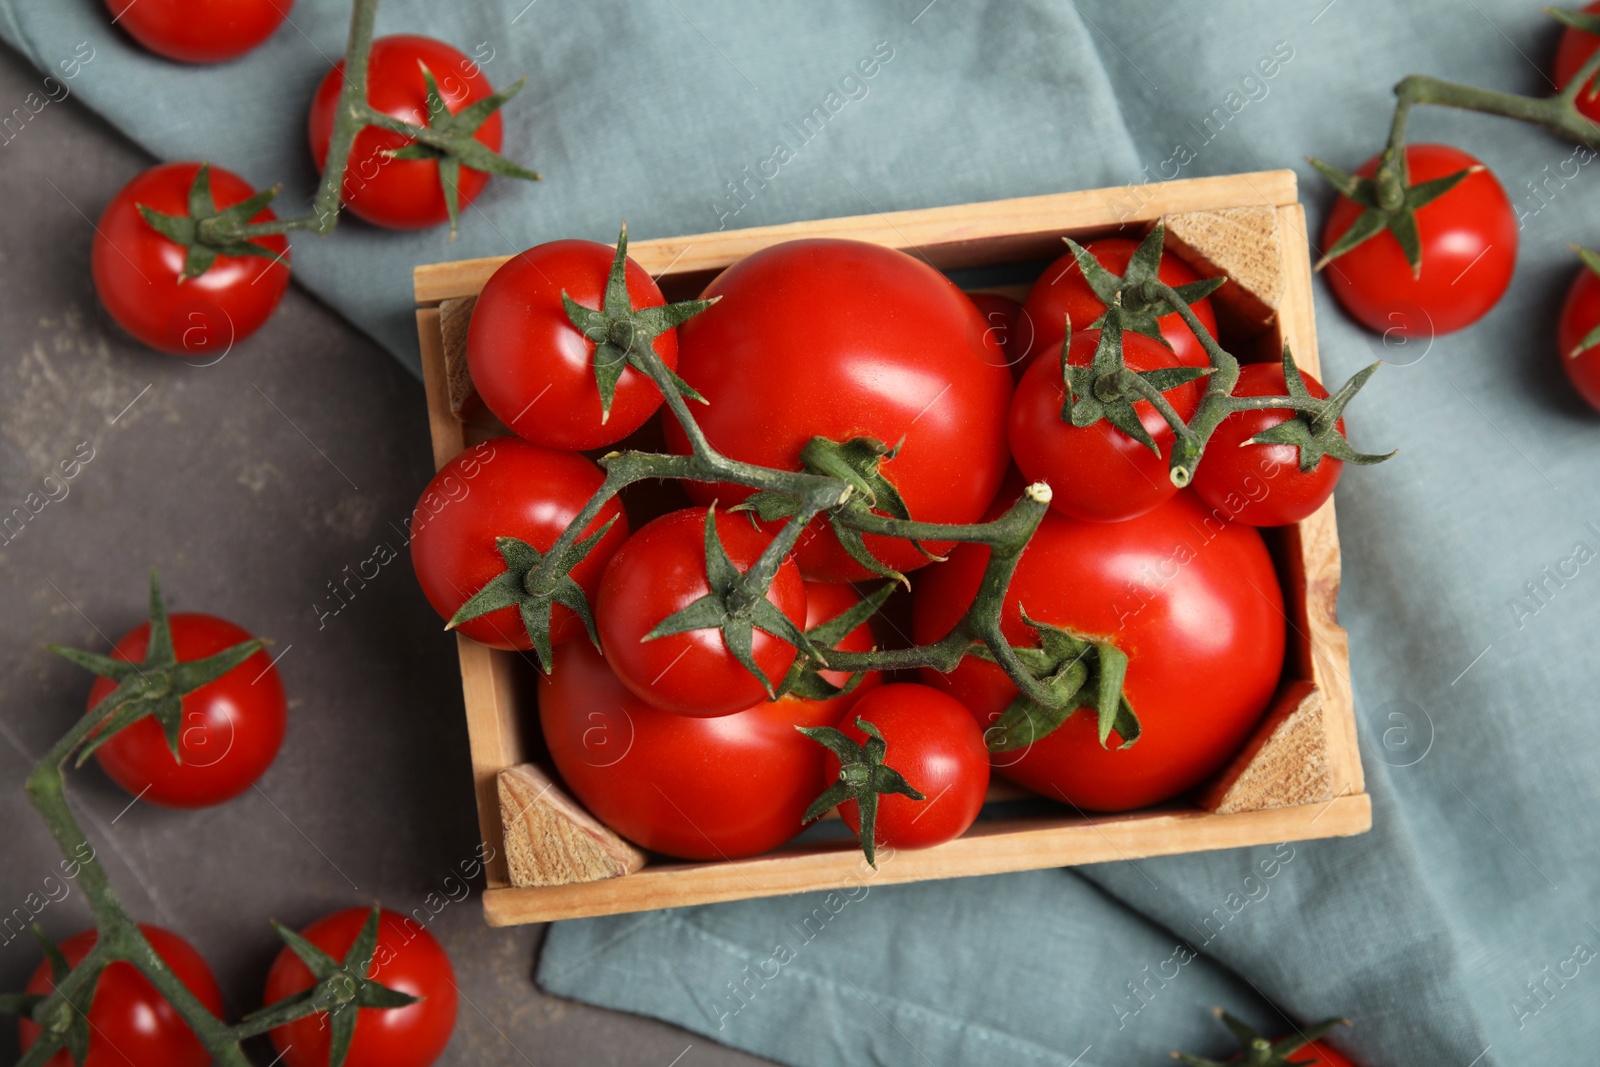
column 1298, row 777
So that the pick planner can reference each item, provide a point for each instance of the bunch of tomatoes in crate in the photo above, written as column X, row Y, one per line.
column 881, row 539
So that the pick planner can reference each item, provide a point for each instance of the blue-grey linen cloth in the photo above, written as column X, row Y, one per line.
column 1460, row 931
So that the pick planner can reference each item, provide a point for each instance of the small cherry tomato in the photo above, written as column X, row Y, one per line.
column 138, row 273
column 1062, row 290
column 1574, row 51
column 231, row 732
column 1009, row 326
column 506, row 487
column 937, row 747
column 130, row 1024
column 662, row 570
column 532, row 366
column 403, row 194
column 407, row 959
column 199, row 31
column 1097, row 473
column 1469, row 249
column 1579, row 316
column 1262, row 485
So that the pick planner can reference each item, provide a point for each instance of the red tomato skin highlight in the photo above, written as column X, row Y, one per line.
column 231, row 731
column 130, row 1024
column 1096, row 473
column 403, row 194
column 935, row 743
column 661, row 570
column 1469, row 251
column 1191, row 598
column 1579, row 315
column 843, row 339
column 199, row 31
column 407, row 958
column 136, row 270
column 535, row 370
column 506, row 487
column 1262, row 484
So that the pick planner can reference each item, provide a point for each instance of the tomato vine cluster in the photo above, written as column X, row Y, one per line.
column 839, row 421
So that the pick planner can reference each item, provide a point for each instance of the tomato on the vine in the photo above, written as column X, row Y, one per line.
column 231, row 729
column 535, row 370
column 406, row 959
column 842, row 340
column 1571, row 54
column 138, row 272
column 1062, row 290
column 199, row 31
column 506, row 487
column 1192, row 601
column 695, row 788
column 937, row 747
column 130, row 1023
column 1580, row 315
column 1009, row 326
column 1096, row 472
column 660, row 571
column 826, row 601
column 402, row 193
column 1468, row 238
column 1262, row 484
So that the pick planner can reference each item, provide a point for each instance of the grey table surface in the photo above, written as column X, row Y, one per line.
column 250, row 483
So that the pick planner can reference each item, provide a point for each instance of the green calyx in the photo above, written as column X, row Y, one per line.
column 1137, row 291
column 803, row 679
column 737, row 603
column 1107, row 389
column 201, row 251
column 1391, row 203
column 1258, row 1051
column 340, row 985
column 863, row 777
column 1317, row 434
column 1079, row 672
column 621, row 333
column 534, row 585
column 155, row 686
column 454, row 145
column 1591, row 261
column 65, row 1023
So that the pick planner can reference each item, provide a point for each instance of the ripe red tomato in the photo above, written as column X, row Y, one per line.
column 1062, row 291
column 407, row 959
column 199, row 31
column 1194, row 603
column 403, row 194
column 138, row 272
column 937, row 747
column 1316, row 1054
column 506, row 487
column 695, row 788
column 1262, row 485
column 842, row 339
column 1096, row 472
column 130, row 1024
column 232, row 728
column 532, row 366
column 1009, row 326
column 661, row 570
column 1580, row 315
column 1469, row 249
column 1575, row 49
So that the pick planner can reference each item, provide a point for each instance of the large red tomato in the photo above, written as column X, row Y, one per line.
column 532, row 366
column 506, row 487
column 138, row 273
column 1096, row 472
column 696, row 788
column 1575, row 49
column 1062, row 290
column 842, row 339
column 403, row 194
column 199, row 31
column 130, row 1024
column 407, row 959
column 1193, row 602
column 1262, row 485
column 1469, row 249
column 660, row 571
column 1579, row 316
column 232, row 728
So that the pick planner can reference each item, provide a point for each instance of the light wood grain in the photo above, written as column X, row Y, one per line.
column 551, row 840
column 1241, row 244
column 988, row 848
